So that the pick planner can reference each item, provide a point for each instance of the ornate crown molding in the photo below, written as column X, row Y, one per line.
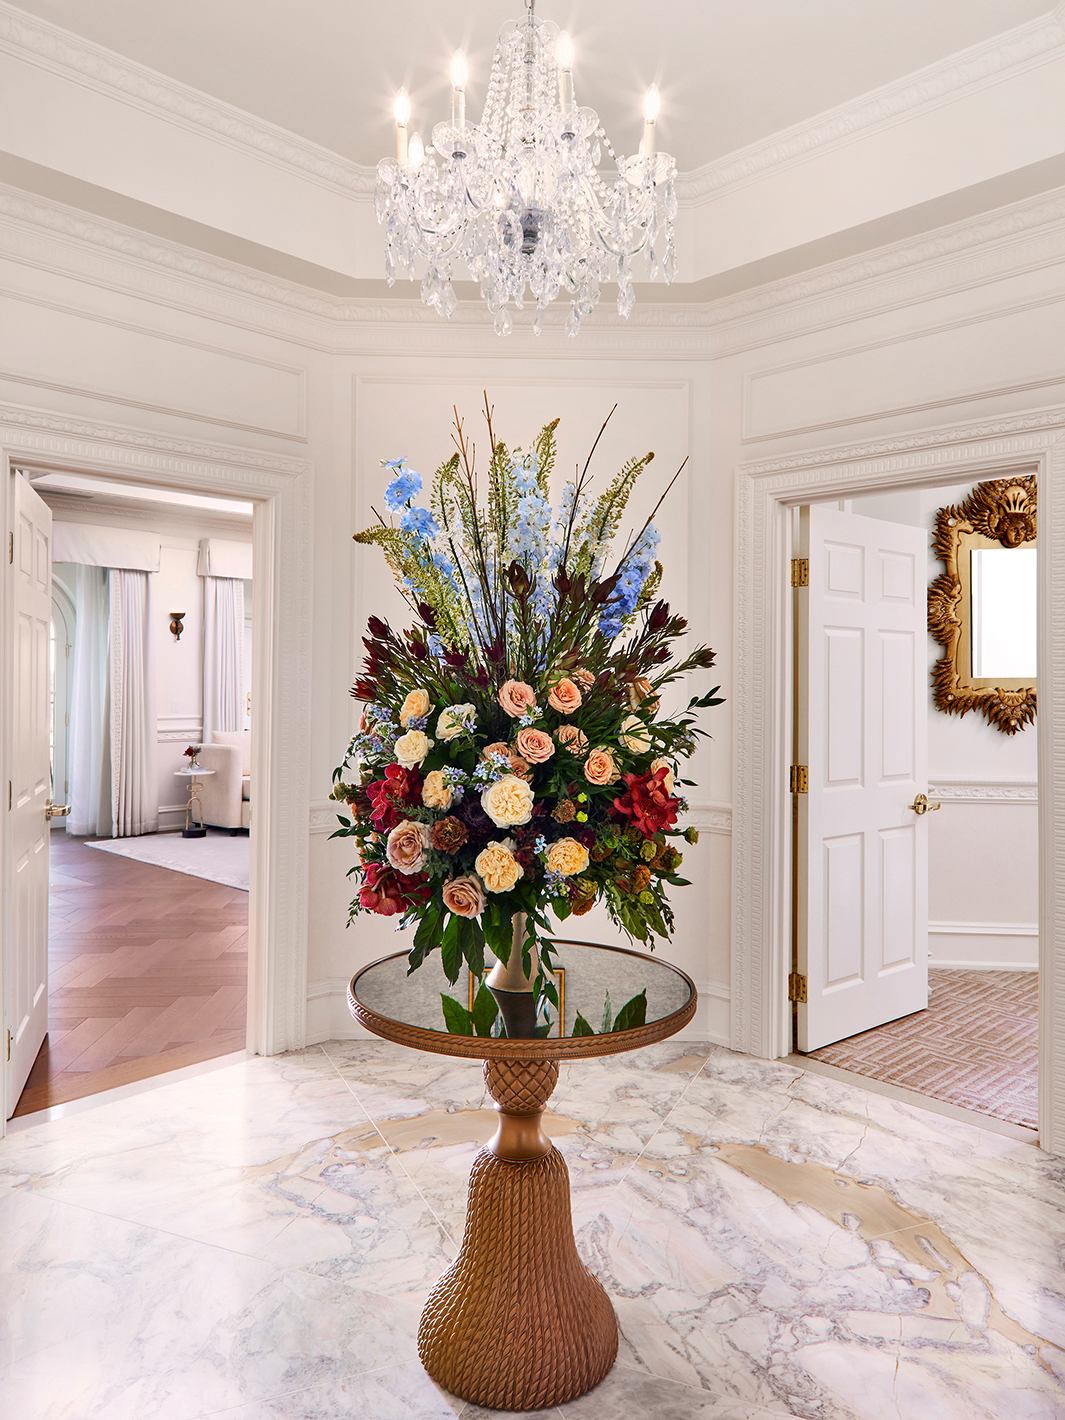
column 48, row 46
column 991, row 60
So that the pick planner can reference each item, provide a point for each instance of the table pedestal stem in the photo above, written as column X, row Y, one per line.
column 518, row 1322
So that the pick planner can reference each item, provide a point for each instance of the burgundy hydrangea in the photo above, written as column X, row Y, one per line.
column 646, row 803
column 390, row 795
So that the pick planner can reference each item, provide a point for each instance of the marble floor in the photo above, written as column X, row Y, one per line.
column 255, row 1243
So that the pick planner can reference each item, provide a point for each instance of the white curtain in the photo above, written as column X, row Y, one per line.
column 134, row 729
column 90, row 709
column 223, row 655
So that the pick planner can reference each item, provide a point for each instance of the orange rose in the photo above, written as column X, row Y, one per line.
column 516, row 698
column 415, row 707
column 599, row 767
column 575, row 740
column 497, row 866
column 464, row 897
column 568, row 857
column 534, row 745
column 564, row 697
column 518, row 766
column 508, row 802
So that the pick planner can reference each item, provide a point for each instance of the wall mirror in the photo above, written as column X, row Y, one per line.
column 981, row 610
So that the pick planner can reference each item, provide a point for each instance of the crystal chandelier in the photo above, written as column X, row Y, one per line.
column 519, row 198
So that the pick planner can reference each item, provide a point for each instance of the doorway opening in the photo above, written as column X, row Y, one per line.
column 148, row 910
column 915, row 847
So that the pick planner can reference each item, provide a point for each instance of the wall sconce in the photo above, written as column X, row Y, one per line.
column 176, row 627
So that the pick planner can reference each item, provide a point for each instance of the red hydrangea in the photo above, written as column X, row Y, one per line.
column 389, row 893
column 390, row 795
column 646, row 803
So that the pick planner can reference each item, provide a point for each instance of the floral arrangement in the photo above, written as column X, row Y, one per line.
column 510, row 757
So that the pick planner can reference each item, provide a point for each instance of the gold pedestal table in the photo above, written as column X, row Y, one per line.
column 518, row 1322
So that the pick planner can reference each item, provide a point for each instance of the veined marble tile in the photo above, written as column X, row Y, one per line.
column 396, row 1393
column 117, row 1321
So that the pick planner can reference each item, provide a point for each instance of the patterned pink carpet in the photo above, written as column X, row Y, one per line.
column 975, row 1046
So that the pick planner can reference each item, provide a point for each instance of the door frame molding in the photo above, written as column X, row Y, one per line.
column 281, row 489
column 766, row 491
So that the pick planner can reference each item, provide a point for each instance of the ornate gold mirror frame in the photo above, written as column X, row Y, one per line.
column 1001, row 513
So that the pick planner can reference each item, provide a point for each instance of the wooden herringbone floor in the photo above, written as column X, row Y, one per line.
column 148, row 972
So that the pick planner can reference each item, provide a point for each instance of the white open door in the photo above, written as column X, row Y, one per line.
column 862, row 730
column 26, row 966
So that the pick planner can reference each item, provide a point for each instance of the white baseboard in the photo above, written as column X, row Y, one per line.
column 986, row 946
column 328, row 1017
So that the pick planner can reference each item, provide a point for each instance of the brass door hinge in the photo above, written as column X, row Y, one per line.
column 800, row 571
column 800, row 779
column 797, row 988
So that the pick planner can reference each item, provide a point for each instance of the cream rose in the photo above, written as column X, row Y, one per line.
column 508, row 802
column 584, row 677
column 464, row 897
column 516, row 697
column 407, row 846
column 639, row 691
column 599, row 767
column 534, row 745
column 415, row 707
column 564, row 697
column 436, row 794
column 575, row 740
column 410, row 749
column 453, row 720
column 567, row 856
column 497, row 866
column 634, row 735
column 656, row 765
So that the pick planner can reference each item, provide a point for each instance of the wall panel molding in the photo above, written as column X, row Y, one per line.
column 985, row 791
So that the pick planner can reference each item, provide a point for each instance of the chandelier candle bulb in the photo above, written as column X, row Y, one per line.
column 416, row 153
column 651, row 107
column 459, row 74
column 401, row 113
column 564, row 58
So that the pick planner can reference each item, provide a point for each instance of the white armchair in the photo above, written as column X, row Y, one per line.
column 226, row 794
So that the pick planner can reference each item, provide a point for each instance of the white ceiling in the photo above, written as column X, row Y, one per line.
column 730, row 71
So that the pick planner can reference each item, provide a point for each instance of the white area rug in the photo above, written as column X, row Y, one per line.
column 218, row 857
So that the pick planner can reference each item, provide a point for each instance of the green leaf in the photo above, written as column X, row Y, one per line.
column 607, row 1016
column 633, row 1013
column 581, row 1026
column 485, row 1010
column 458, row 1019
column 450, row 952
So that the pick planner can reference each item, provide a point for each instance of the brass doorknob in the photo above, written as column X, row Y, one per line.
column 921, row 805
column 56, row 810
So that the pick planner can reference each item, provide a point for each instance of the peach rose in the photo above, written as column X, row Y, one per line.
column 415, row 707
column 464, row 897
column 599, row 767
column 516, row 698
column 534, row 745
column 497, row 866
column 407, row 845
column 518, row 766
column 634, row 735
column 567, row 856
column 410, row 749
column 435, row 792
column 656, row 765
column 564, row 697
column 639, row 691
column 507, row 802
column 584, row 677
column 575, row 740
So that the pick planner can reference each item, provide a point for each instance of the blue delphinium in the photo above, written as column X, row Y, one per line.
column 419, row 521
column 634, row 574
column 406, row 485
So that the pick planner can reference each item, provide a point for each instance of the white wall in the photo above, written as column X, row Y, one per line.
column 983, row 897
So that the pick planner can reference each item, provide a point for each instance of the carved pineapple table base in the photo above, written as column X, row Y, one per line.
column 518, row 1322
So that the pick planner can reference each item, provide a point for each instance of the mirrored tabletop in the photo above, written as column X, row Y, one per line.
column 595, row 983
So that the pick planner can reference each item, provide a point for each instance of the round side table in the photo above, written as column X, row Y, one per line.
column 193, row 829
column 517, row 1322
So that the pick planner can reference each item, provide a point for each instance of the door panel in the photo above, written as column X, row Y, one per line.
column 862, row 872
column 26, row 967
